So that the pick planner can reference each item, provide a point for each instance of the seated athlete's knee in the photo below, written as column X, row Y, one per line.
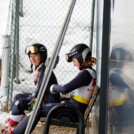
column 17, row 102
column 17, row 108
column 20, row 103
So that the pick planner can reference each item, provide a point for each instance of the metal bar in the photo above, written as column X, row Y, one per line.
column 17, row 80
column 12, row 51
column 92, row 23
column 104, row 67
column 21, row 8
column 5, row 65
column 98, row 42
column 50, row 67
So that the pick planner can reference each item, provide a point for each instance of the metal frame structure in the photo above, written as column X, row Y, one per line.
column 104, row 68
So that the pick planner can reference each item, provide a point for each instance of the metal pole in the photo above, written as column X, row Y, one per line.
column 104, row 67
column 5, row 65
column 17, row 43
column 50, row 67
column 12, row 51
column 98, row 44
column 95, row 109
column 92, row 23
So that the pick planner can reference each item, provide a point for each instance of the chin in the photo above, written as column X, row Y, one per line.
column 78, row 68
column 35, row 64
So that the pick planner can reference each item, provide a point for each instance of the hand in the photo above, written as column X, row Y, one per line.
column 51, row 90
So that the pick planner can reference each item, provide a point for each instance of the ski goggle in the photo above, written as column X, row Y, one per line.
column 69, row 56
column 31, row 49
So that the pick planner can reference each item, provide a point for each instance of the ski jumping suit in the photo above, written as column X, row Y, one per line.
column 22, row 101
column 81, row 88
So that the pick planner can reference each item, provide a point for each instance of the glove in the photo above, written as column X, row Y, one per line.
column 32, row 98
column 51, row 89
column 32, row 101
column 29, row 97
column 33, row 94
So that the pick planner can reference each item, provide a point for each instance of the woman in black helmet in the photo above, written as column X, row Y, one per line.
column 37, row 55
column 81, row 86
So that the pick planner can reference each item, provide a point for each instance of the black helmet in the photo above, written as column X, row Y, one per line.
column 37, row 48
column 80, row 51
column 118, row 54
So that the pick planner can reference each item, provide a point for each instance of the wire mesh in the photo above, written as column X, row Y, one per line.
column 40, row 22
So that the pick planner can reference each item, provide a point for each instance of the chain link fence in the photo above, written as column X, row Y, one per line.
column 41, row 21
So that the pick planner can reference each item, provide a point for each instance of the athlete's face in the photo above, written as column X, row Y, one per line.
column 35, row 59
column 76, row 63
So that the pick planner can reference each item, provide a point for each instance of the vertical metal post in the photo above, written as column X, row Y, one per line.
column 14, row 43
column 17, row 43
column 104, row 67
column 5, row 65
column 98, row 35
column 98, row 44
column 92, row 24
